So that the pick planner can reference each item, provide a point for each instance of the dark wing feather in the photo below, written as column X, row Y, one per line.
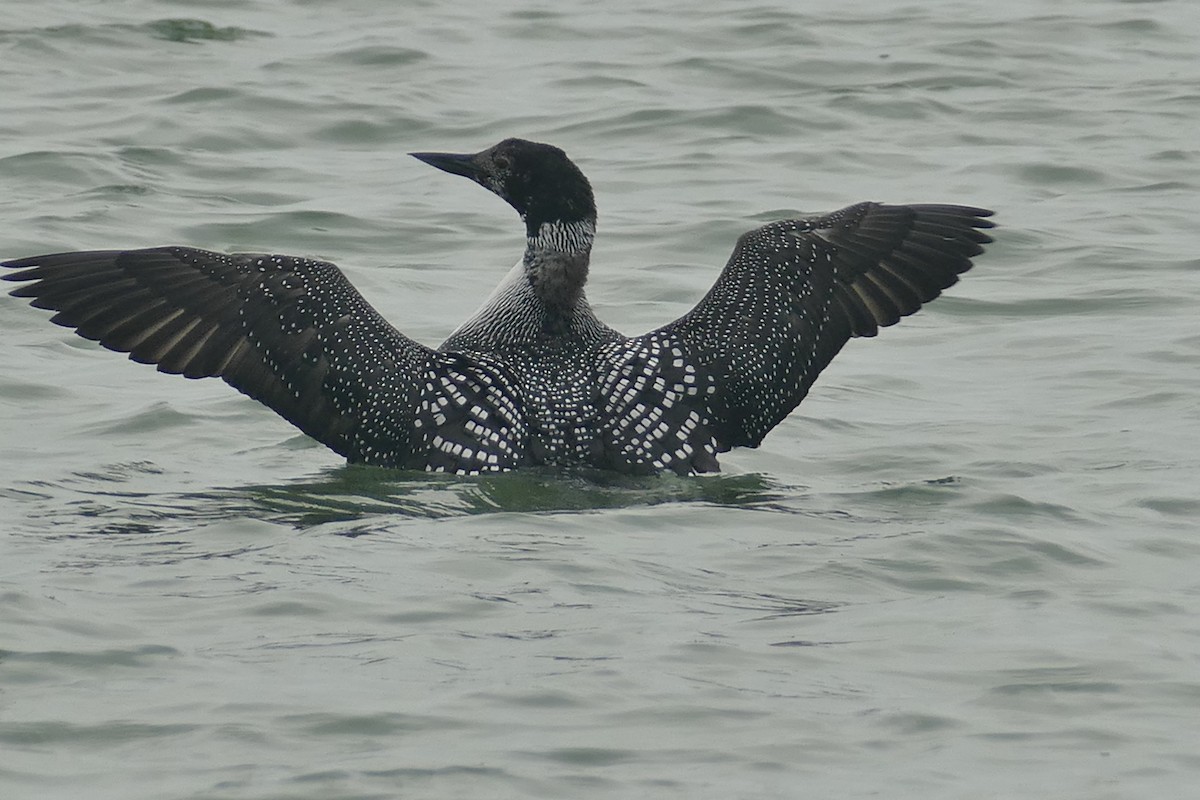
column 290, row 332
column 794, row 292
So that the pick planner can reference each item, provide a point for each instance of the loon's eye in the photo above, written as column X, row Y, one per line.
column 501, row 162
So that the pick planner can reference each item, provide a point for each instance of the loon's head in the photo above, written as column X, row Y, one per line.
column 538, row 180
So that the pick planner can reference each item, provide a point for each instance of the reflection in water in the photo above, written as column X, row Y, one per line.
column 138, row 497
column 351, row 492
column 133, row 498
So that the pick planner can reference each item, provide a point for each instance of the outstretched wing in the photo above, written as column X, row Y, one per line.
column 292, row 333
column 794, row 292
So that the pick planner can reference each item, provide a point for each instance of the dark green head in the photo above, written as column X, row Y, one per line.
column 538, row 180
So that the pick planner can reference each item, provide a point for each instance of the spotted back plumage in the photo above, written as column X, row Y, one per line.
column 655, row 407
column 533, row 377
column 470, row 418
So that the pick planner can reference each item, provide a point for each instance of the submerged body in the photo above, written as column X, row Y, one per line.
column 533, row 377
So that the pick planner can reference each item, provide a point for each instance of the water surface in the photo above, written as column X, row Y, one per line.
column 965, row 567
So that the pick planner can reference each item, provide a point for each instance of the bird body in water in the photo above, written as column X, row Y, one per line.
column 533, row 377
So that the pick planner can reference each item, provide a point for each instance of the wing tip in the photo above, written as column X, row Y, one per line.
column 28, row 269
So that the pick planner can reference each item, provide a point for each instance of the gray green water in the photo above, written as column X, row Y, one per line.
column 966, row 567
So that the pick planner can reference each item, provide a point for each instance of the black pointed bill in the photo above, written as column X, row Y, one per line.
column 454, row 163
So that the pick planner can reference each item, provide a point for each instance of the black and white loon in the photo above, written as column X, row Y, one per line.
column 533, row 377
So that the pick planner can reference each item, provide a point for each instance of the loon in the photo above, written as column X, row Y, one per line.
column 533, row 377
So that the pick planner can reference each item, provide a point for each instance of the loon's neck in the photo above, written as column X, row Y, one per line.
column 556, row 265
column 541, row 299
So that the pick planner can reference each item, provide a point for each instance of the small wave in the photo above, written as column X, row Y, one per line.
column 198, row 30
